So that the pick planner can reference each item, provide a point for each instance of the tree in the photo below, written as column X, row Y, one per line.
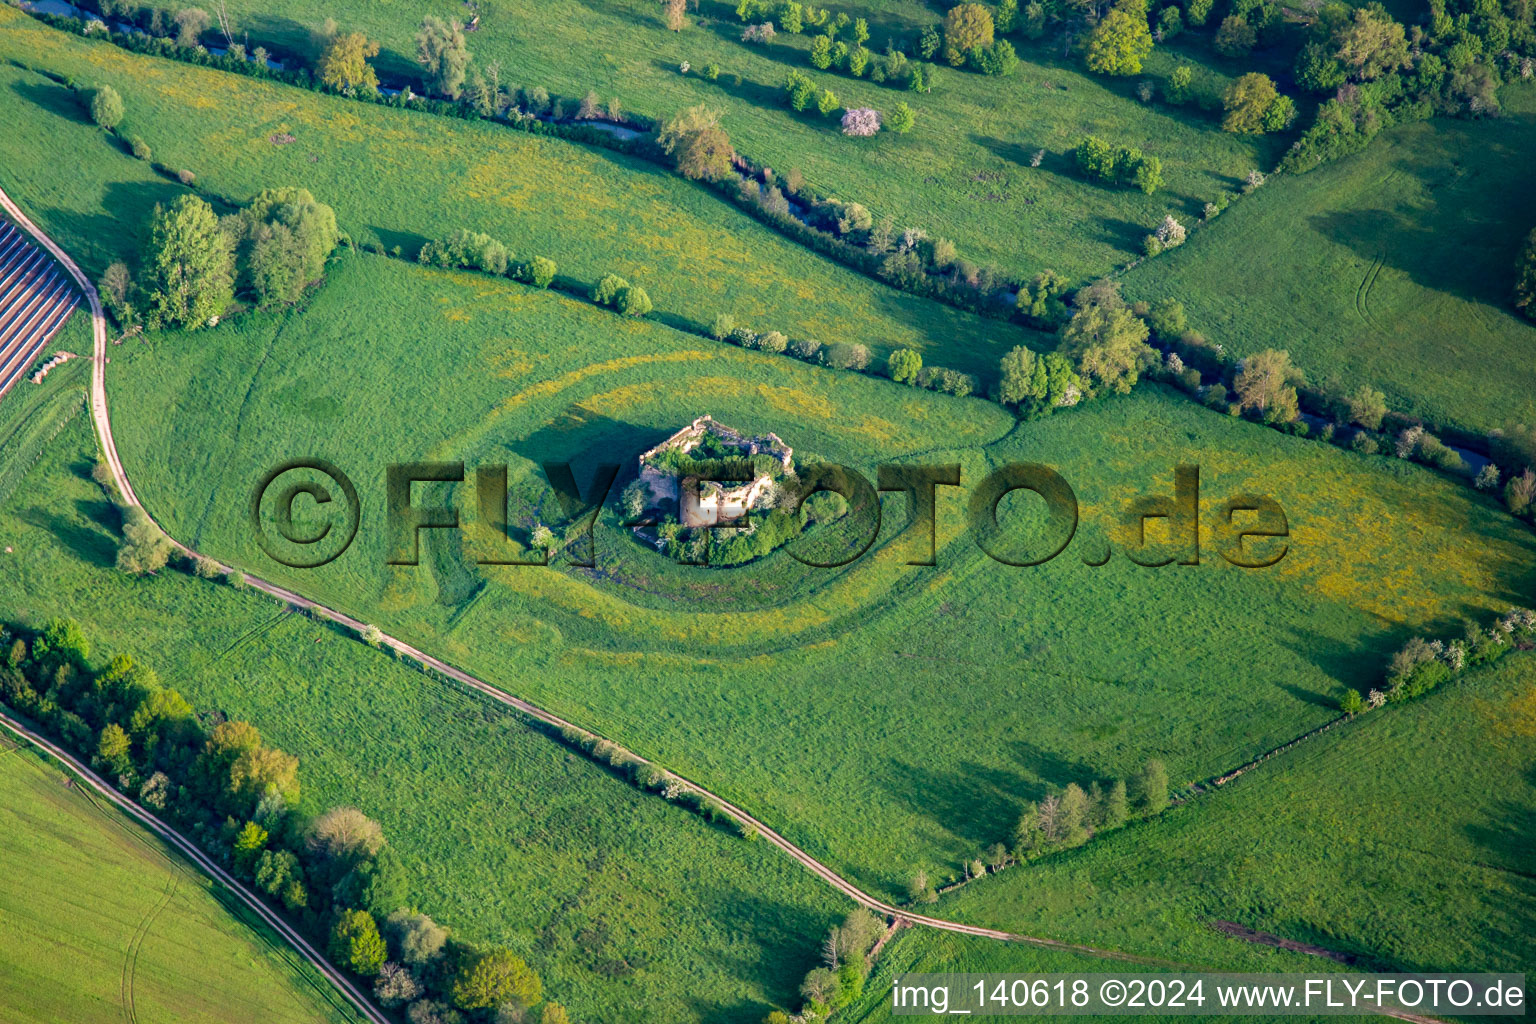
column 259, row 771
column 1367, row 407
column 1017, row 371
column 112, row 748
column 821, row 53
column 275, row 869
column 1116, row 807
column 395, row 986
column 345, row 65
column 343, row 833
column 1372, row 44
column 1351, row 703
column 902, row 120
column 1317, row 69
column 554, row 1013
column 698, row 144
column 903, row 365
column 1525, row 277
column 826, row 102
column 1246, row 101
column 442, row 54
column 1095, row 158
column 489, row 979
column 376, row 884
column 191, row 23
column 188, row 266
column 356, row 944
column 1073, row 815
column 1108, row 344
column 247, row 847
column 820, row 985
column 1151, row 788
column 417, row 937
column 967, row 27
column 1119, row 43
column 1265, row 385
column 145, row 549
column 1235, row 37
column 675, row 11
column 106, row 107
column 282, row 240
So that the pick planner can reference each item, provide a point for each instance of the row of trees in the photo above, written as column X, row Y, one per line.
column 473, row 250
column 194, row 263
column 1071, row 816
column 1423, row 664
column 1123, row 165
column 905, row 365
column 237, row 796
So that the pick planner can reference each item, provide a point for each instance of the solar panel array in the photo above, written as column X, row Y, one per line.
column 35, row 299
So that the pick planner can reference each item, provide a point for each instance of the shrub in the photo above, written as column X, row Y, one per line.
column 1364, row 443
column 845, row 356
column 540, row 271
column 723, row 326
column 1520, row 493
column 468, row 250
column 633, row 301
column 1525, row 277
column 607, row 290
column 772, row 342
column 1177, row 89
column 1487, row 478
column 902, row 120
column 808, row 349
column 139, row 147
column 903, row 365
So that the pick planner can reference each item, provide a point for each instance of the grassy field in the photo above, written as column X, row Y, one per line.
column 629, row 907
column 1403, row 839
column 963, row 173
column 398, row 178
column 101, row 923
column 793, row 690
column 93, row 209
column 1393, row 267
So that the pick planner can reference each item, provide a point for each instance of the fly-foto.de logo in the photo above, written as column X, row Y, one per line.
column 307, row 512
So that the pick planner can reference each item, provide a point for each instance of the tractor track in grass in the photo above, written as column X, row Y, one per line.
column 103, row 426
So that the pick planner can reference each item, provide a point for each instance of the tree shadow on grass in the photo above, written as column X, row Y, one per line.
column 56, row 99
column 94, row 546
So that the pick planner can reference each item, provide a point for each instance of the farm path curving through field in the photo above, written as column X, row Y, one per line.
column 103, row 425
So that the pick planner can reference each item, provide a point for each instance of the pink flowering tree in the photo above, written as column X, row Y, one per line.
column 861, row 121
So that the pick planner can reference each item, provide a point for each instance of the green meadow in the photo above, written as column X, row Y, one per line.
column 1393, row 267
column 963, row 173
column 797, row 691
column 628, row 906
column 398, row 178
column 1402, row 839
column 101, row 923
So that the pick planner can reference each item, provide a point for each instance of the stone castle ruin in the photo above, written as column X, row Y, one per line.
column 711, row 502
